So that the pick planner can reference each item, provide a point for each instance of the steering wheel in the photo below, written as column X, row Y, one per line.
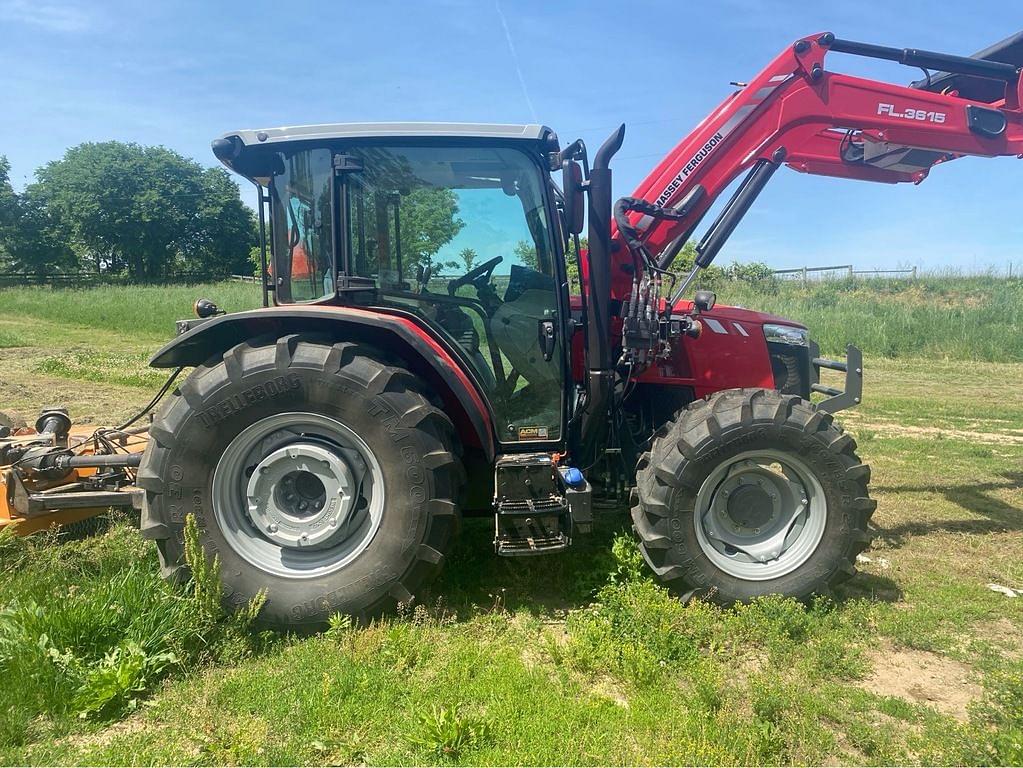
column 474, row 276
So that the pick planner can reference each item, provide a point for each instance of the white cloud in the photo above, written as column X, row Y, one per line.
column 50, row 16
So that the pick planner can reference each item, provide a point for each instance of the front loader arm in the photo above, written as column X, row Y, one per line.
column 797, row 113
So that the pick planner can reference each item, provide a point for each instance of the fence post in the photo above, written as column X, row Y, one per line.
column 914, row 272
column 850, row 271
column 804, row 277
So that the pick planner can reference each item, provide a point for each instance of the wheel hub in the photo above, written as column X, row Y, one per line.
column 750, row 506
column 301, row 495
column 760, row 515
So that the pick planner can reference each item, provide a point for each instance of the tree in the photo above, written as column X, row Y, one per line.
column 146, row 211
column 525, row 252
column 31, row 238
column 8, row 210
column 468, row 257
column 429, row 221
column 572, row 264
column 226, row 234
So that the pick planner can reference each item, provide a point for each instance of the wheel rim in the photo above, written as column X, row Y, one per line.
column 298, row 494
column 760, row 515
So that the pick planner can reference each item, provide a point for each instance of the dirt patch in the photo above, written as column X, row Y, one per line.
column 104, row 738
column 886, row 428
column 923, row 678
column 1003, row 635
column 607, row 688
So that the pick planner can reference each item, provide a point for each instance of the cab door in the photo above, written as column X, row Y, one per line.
column 461, row 236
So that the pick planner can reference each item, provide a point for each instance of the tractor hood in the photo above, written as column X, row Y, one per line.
column 739, row 314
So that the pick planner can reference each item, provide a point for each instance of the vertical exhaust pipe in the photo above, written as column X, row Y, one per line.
column 600, row 376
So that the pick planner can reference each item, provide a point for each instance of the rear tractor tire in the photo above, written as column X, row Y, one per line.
column 752, row 492
column 314, row 470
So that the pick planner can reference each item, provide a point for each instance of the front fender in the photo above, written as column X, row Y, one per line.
column 427, row 355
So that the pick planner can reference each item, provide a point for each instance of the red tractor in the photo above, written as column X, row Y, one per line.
column 423, row 358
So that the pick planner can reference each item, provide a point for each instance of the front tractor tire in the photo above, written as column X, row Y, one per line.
column 752, row 492
column 315, row 470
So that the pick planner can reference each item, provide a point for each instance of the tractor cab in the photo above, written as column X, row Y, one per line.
column 453, row 224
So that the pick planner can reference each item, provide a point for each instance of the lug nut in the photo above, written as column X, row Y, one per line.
column 272, row 527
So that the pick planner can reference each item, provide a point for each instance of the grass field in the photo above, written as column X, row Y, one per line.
column 577, row 659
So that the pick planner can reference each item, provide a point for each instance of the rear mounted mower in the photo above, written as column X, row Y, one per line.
column 57, row 474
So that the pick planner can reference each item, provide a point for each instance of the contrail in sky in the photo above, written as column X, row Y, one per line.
column 515, row 60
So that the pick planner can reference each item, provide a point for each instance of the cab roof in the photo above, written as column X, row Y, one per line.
column 255, row 137
column 241, row 150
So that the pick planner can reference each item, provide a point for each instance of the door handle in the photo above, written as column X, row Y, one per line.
column 546, row 332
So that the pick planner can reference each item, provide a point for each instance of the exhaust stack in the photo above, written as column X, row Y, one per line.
column 600, row 374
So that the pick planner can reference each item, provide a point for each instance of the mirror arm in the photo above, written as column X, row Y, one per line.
column 577, row 151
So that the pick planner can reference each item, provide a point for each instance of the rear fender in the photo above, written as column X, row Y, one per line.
column 400, row 334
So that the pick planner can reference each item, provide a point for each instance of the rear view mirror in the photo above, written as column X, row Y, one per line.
column 705, row 300
column 575, row 207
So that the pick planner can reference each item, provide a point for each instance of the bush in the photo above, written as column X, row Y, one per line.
column 749, row 272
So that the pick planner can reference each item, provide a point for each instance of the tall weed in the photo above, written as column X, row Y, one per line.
column 89, row 628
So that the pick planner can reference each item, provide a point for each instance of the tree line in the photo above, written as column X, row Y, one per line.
column 125, row 210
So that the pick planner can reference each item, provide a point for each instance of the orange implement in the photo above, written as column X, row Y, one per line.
column 32, row 501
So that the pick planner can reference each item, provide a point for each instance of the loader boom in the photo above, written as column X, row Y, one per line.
column 815, row 121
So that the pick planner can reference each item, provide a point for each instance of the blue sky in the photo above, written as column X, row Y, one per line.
column 181, row 73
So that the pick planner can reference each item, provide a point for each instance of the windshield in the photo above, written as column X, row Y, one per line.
column 302, row 243
column 445, row 212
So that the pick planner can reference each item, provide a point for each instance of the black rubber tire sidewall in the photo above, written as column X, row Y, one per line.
column 812, row 575
column 413, row 531
column 672, row 473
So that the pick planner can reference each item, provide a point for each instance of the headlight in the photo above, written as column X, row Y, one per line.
column 786, row 334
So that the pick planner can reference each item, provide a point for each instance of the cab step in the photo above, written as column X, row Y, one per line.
column 531, row 511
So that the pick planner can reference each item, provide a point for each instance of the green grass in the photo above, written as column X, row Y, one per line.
column 88, row 628
column 573, row 659
column 627, row 676
column 147, row 311
column 937, row 317
column 130, row 370
column 10, row 339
